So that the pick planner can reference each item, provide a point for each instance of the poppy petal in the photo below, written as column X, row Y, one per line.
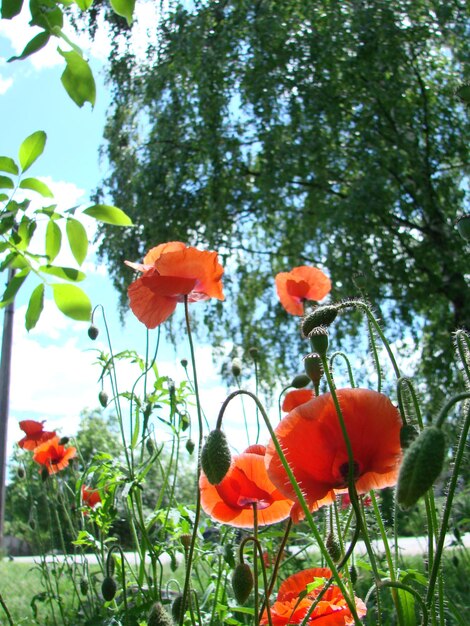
column 301, row 283
column 150, row 308
column 294, row 398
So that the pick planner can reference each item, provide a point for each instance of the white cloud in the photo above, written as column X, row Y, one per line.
column 5, row 84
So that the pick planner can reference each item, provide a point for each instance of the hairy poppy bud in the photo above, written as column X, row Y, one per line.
column 320, row 316
column 300, row 381
column 463, row 226
column 103, row 398
column 215, row 457
column 333, row 547
column 353, row 574
column 236, row 367
column 242, row 582
column 93, row 332
column 408, row 434
column 158, row 616
column 185, row 540
column 150, row 446
column 177, row 609
column 20, row 473
column 319, row 340
column 63, row 441
column 253, row 353
column 190, row 445
column 184, row 363
column 314, row 368
column 421, row 465
column 83, row 586
column 108, row 588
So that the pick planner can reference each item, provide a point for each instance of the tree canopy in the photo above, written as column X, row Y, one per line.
column 288, row 132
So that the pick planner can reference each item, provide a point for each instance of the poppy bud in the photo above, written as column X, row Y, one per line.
column 63, row 441
column 184, row 363
column 253, row 353
column 150, row 446
column 228, row 555
column 421, row 465
column 408, row 434
column 108, row 588
column 236, row 367
column 173, row 563
column 93, row 332
column 463, row 226
column 185, row 541
column 83, row 586
column 455, row 561
column 333, row 547
column 177, row 609
column 353, row 574
column 319, row 340
column 314, row 368
column 103, row 398
column 215, row 457
column 184, row 421
column 190, row 445
column 300, row 381
column 320, row 316
column 158, row 616
column 242, row 582
column 44, row 474
column 20, row 473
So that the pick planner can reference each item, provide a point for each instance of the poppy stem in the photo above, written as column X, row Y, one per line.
column 277, row 563
column 255, row 561
column 335, row 355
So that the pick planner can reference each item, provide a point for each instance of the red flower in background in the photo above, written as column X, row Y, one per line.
column 313, row 444
column 331, row 610
column 295, row 398
column 54, row 456
column 231, row 501
column 35, row 434
column 172, row 271
column 90, row 497
column 300, row 284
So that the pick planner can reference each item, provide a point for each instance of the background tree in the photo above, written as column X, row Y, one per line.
column 291, row 132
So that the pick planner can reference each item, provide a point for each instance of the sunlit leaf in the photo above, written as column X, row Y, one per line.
column 25, row 232
column 77, row 78
column 10, row 8
column 124, row 8
column 109, row 215
column 72, row 301
column 53, row 240
column 46, row 14
column 36, row 185
column 8, row 165
column 35, row 307
column 84, row 5
column 6, row 183
column 66, row 273
column 31, row 148
column 78, row 239
column 35, row 44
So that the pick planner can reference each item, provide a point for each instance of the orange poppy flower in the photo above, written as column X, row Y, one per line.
column 172, row 271
column 331, row 610
column 53, row 456
column 90, row 497
column 294, row 398
column 231, row 501
column 300, row 284
column 35, row 434
column 313, row 443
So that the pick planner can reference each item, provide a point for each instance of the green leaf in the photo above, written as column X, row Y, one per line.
column 84, row 5
column 124, row 8
column 46, row 14
column 77, row 78
column 35, row 307
column 10, row 8
column 109, row 215
column 6, row 182
column 66, row 273
column 13, row 287
column 36, row 185
column 407, row 603
column 72, row 301
column 31, row 148
column 78, row 239
column 25, row 232
column 53, row 240
column 35, row 44
column 8, row 165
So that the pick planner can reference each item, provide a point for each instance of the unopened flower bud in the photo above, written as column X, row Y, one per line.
column 63, row 441
column 20, row 473
column 103, row 398
column 455, row 561
column 253, row 353
column 185, row 541
column 300, row 381
column 408, row 434
column 333, row 547
column 108, row 588
column 242, row 582
column 319, row 340
column 353, row 574
column 320, row 316
column 158, row 616
column 184, row 363
column 150, row 446
column 236, row 367
column 190, row 445
column 215, row 457
column 313, row 367
column 93, row 332
column 463, row 226
column 84, row 586
column 44, row 474
column 177, row 609
column 421, row 465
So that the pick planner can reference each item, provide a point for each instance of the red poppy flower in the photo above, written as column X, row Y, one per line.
column 90, row 497
column 331, row 610
column 53, row 456
column 300, row 284
column 294, row 398
column 35, row 434
column 313, row 443
column 246, row 483
column 172, row 271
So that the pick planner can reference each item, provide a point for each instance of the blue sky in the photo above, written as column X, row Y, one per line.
column 53, row 371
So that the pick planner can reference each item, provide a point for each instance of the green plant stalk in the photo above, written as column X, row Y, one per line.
column 352, row 382
column 375, row 355
column 59, row 599
column 277, row 564
column 217, row 588
column 298, row 493
column 398, row 585
column 7, row 612
column 461, row 337
column 279, row 405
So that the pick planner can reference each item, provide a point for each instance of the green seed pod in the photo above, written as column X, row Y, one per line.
column 190, row 445
column 353, row 574
column 108, row 588
column 186, row 540
column 20, row 473
column 103, row 398
column 184, row 363
column 63, row 441
column 158, row 616
column 83, row 586
column 421, row 465
column 215, row 457
column 150, row 446
column 242, row 582
column 313, row 367
column 177, row 609
column 300, row 381
column 319, row 340
column 408, row 434
column 333, row 547
column 320, row 316
column 253, row 353
column 93, row 332
column 236, row 367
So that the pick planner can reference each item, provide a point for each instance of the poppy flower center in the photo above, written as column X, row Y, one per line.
column 344, row 471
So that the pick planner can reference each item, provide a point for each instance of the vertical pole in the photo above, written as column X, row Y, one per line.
column 5, row 368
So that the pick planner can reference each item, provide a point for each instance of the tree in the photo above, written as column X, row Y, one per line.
column 289, row 132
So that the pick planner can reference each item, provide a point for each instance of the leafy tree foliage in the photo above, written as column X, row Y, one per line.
column 288, row 132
